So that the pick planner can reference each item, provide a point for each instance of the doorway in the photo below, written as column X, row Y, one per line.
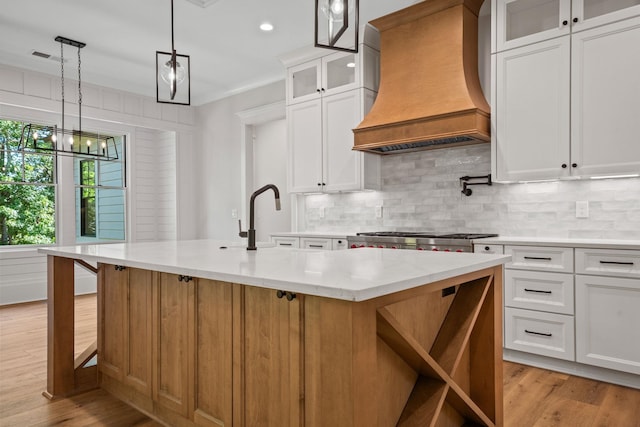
column 270, row 167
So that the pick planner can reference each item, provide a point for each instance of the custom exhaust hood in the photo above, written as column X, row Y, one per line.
column 429, row 94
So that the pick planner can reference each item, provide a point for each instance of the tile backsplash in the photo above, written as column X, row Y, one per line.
column 422, row 191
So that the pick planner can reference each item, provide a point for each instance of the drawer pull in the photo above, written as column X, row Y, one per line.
column 284, row 244
column 616, row 262
column 316, row 246
column 537, row 333
column 539, row 258
column 537, row 291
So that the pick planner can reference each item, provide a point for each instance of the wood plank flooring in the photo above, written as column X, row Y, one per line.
column 532, row 397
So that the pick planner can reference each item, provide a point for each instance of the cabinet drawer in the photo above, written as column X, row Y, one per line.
column 480, row 248
column 540, row 258
column 286, row 242
column 608, row 322
column 552, row 292
column 315, row 243
column 608, row 262
column 541, row 333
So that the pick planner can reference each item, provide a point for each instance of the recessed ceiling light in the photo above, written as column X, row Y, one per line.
column 266, row 26
column 351, row 65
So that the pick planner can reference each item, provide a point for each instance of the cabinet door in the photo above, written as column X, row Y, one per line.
column 138, row 330
column 607, row 319
column 342, row 165
column 213, row 353
column 522, row 22
column 340, row 72
column 304, row 123
column 112, row 299
column 606, row 100
column 173, row 382
column 532, row 111
column 304, row 82
column 592, row 13
column 271, row 359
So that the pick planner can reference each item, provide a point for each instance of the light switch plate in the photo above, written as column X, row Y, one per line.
column 582, row 209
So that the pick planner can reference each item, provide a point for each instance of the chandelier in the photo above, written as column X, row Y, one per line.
column 68, row 142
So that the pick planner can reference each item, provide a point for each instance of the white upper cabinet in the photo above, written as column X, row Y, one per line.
column 605, row 100
column 522, row 22
column 565, row 102
column 323, row 76
column 328, row 95
column 532, row 111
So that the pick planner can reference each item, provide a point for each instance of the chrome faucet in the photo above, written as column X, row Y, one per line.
column 251, row 233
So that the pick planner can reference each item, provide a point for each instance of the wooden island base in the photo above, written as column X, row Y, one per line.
column 189, row 351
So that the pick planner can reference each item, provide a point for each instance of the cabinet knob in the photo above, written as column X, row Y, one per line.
column 574, row 165
column 564, row 166
column 318, row 90
column 575, row 19
column 319, row 184
column 280, row 293
column 565, row 22
column 323, row 88
column 291, row 296
column 486, row 248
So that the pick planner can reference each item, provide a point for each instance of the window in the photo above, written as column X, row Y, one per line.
column 100, row 197
column 27, row 191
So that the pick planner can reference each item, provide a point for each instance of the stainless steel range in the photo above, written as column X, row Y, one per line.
column 422, row 241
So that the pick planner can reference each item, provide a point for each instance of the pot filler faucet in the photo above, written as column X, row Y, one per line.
column 251, row 233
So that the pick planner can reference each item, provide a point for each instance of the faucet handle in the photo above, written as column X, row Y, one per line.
column 241, row 233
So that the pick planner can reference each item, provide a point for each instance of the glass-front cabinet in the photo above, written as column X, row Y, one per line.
column 522, row 22
column 334, row 73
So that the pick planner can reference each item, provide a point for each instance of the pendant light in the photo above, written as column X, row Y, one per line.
column 68, row 142
column 336, row 25
column 173, row 71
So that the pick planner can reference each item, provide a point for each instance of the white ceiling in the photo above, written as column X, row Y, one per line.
column 229, row 54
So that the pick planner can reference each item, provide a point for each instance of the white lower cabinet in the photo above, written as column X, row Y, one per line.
column 534, row 290
column 547, row 334
column 286, row 242
column 306, row 242
column 608, row 322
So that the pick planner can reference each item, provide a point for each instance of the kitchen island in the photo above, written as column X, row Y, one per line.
column 207, row 333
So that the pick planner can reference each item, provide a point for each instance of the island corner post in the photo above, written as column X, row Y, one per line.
column 66, row 374
column 346, row 350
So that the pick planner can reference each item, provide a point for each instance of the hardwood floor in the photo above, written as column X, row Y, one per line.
column 532, row 397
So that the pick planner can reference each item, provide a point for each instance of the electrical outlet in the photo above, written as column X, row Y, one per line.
column 321, row 212
column 378, row 211
column 234, row 213
column 582, row 209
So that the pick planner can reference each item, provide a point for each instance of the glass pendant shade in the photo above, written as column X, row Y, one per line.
column 336, row 25
column 168, row 75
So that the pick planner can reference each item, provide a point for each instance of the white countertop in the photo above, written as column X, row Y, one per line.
column 354, row 275
column 561, row 242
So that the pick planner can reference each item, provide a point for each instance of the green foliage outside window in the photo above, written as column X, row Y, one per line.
column 27, row 191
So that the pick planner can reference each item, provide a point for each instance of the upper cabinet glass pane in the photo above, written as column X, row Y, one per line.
column 305, row 81
column 527, row 17
column 595, row 8
column 341, row 71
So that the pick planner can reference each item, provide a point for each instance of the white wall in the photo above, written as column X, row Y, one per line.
column 421, row 191
column 219, row 150
column 31, row 96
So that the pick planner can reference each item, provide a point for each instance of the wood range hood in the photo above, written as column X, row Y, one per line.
column 429, row 95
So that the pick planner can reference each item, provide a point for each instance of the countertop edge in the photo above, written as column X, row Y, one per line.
column 561, row 242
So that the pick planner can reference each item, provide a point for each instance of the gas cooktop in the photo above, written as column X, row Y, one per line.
column 426, row 235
